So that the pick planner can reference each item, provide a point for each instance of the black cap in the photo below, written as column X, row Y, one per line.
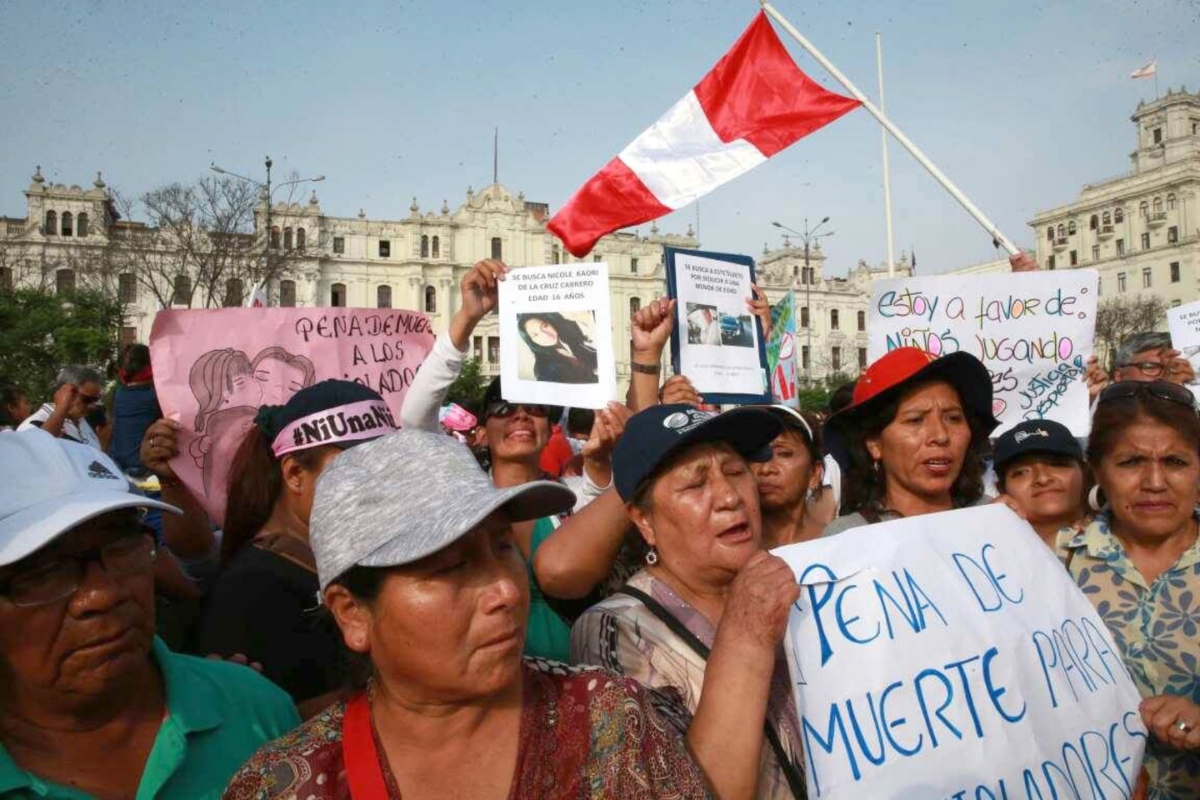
column 659, row 432
column 1035, row 436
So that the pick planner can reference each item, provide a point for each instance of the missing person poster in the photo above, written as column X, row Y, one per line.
column 556, row 336
column 717, row 343
column 1184, row 324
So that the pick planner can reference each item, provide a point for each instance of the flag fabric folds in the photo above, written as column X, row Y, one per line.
column 751, row 105
column 1148, row 71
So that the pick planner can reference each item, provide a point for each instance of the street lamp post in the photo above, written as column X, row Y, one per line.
column 267, row 191
column 809, row 235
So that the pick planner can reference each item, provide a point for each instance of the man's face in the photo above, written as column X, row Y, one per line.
column 1147, row 365
column 86, row 399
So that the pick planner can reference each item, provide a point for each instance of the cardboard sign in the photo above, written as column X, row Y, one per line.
column 213, row 368
column 556, row 336
column 781, row 352
column 1034, row 332
column 1184, row 325
column 717, row 343
column 951, row 656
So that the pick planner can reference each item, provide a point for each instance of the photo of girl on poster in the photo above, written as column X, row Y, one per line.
column 561, row 346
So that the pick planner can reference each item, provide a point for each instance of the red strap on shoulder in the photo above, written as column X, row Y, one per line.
column 363, row 772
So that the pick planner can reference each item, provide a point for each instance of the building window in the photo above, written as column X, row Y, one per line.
column 477, row 349
column 1158, row 135
column 287, row 294
column 556, row 255
column 81, row 222
column 807, row 276
column 64, row 281
column 430, row 300
column 497, row 249
column 234, row 290
column 1176, row 303
column 1093, row 223
column 436, row 250
column 1095, row 252
column 1170, row 204
column 1146, row 278
column 1174, row 272
column 274, row 237
column 833, row 319
column 1119, row 215
column 1120, row 281
column 337, row 295
column 1173, row 235
column 1050, row 262
column 383, row 296
column 836, row 359
column 1158, row 206
column 597, row 258
column 67, row 228
column 385, row 248
column 1145, row 241
column 1120, row 247
column 1143, row 209
column 803, row 316
column 493, row 349
column 128, row 336
column 1071, row 228
column 287, row 238
column 51, row 226
column 862, row 358
column 633, row 266
column 862, row 320
column 1062, row 232
column 635, row 305
column 1074, row 258
column 805, row 361
column 127, row 287
column 1050, row 234
column 1108, row 219
column 300, row 238
column 6, row 279
column 424, row 247
column 183, row 291
column 339, row 245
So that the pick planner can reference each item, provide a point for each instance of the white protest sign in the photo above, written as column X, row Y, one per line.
column 556, row 336
column 1034, row 332
column 1184, row 324
column 951, row 656
column 716, row 343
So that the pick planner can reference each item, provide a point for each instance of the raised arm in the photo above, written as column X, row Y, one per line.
column 190, row 536
column 651, row 328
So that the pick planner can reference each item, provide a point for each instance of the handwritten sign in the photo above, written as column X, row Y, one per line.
column 213, row 368
column 951, row 656
column 1184, row 324
column 1033, row 331
column 556, row 336
column 781, row 351
column 717, row 343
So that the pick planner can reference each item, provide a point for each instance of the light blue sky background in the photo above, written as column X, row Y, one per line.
column 1019, row 102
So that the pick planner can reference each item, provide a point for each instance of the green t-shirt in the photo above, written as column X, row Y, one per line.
column 218, row 715
column 546, row 634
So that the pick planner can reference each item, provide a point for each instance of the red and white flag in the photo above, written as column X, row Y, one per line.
column 754, row 103
column 258, row 297
column 1148, row 71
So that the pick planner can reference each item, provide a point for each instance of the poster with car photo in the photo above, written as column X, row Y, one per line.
column 717, row 343
column 556, row 336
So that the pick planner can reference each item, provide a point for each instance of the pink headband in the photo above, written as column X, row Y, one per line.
column 366, row 419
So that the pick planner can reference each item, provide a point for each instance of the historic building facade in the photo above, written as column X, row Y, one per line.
column 1140, row 230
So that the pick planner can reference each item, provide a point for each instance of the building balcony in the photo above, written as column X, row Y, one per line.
column 1060, row 244
column 1157, row 219
column 1104, row 232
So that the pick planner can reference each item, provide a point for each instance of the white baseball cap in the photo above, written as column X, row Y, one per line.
column 49, row 486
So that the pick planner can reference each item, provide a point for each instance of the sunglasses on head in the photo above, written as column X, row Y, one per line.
column 1163, row 390
column 502, row 409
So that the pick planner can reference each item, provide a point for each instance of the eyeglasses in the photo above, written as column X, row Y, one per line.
column 1150, row 368
column 58, row 578
column 90, row 399
column 502, row 409
column 1163, row 390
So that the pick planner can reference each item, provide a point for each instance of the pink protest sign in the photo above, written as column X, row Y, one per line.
column 213, row 368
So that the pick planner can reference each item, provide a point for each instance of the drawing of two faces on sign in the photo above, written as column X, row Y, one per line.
column 229, row 387
column 558, row 347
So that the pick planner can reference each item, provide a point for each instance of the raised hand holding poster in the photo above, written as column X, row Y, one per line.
column 717, row 343
column 951, row 656
column 1184, row 324
column 1034, row 331
column 213, row 368
column 556, row 336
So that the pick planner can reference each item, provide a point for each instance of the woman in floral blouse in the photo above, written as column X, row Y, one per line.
column 1139, row 563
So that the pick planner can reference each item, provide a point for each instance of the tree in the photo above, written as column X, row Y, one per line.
column 40, row 332
column 1120, row 317
column 470, row 384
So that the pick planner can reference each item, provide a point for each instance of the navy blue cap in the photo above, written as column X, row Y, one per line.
column 1035, row 436
column 659, row 432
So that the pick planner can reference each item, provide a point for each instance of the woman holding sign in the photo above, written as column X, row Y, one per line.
column 915, row 435
column 1139, row 563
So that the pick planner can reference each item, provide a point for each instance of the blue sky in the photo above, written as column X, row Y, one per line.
column 1020, row 103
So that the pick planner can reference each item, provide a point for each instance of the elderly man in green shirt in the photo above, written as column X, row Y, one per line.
column 92, row 705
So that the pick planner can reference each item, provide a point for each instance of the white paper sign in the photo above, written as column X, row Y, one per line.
column 951, row 656
column 1034, row 332
column 556, row 336
column 1184, row 325
column 719, row 346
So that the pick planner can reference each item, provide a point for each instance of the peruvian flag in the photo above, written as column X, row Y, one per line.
column 754, row 103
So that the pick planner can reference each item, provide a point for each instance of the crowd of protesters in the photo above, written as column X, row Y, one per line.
column 513, row 600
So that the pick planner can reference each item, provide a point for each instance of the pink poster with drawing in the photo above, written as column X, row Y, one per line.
column 213, row 368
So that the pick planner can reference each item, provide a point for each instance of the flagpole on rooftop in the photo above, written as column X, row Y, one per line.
column 887, row 176
column 916, row 152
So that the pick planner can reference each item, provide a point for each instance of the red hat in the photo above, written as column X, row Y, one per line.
column 905, row 367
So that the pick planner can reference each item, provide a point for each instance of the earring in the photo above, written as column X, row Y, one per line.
column 651, row 557
column 876, row 465
column 1096, row 499
column 810, row 496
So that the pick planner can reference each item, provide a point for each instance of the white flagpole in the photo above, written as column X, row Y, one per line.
column 921, row 158
column 887, row 176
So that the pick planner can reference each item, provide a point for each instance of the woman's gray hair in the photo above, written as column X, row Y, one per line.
column 77, row 374
column 1140, row 343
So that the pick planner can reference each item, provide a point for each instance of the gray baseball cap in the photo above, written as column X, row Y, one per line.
column 407, row 495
